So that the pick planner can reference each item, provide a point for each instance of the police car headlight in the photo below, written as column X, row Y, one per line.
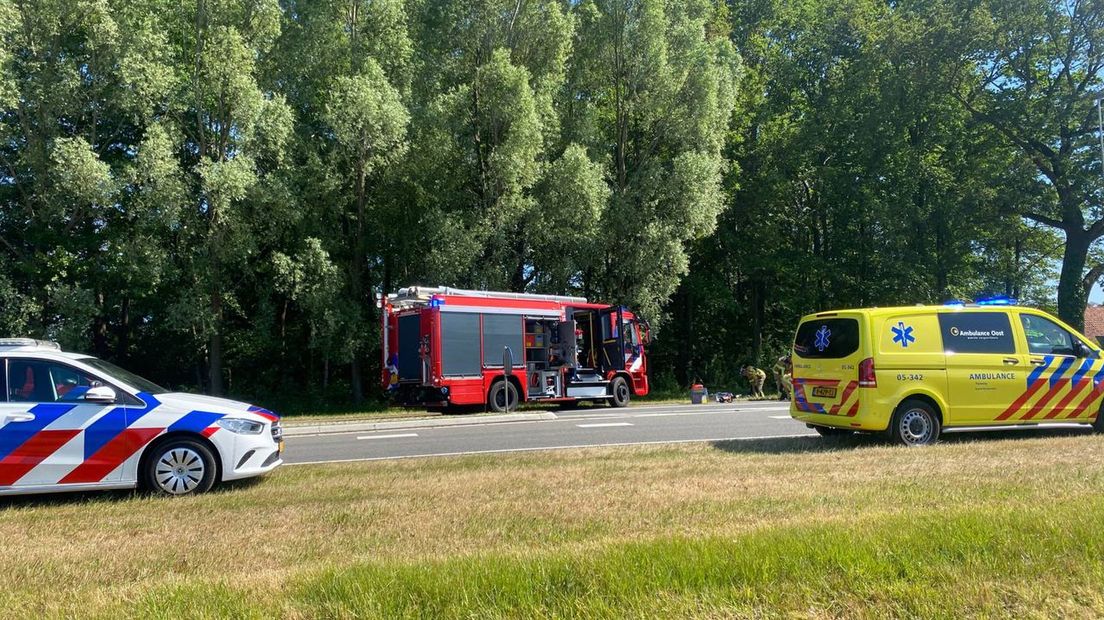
column 241, row 426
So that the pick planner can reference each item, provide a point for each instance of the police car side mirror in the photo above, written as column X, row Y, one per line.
column 100, row 394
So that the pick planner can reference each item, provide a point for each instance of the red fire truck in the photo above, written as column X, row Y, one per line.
column 444, row 348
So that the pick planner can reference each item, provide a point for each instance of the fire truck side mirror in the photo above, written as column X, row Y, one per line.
column 645, row 334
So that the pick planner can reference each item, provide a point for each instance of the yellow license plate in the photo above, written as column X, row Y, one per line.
column 824, row 392
column 280, row 448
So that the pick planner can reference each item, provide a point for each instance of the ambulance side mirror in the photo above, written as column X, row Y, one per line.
column 1084, row 351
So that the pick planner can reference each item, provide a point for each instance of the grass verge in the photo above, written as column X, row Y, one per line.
column 992, row 527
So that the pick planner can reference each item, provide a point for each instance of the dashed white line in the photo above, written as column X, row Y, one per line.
column 604, row 425
column 388, row 436
column 779, row 417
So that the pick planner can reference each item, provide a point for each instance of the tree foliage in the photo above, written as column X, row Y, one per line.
column 214, row 192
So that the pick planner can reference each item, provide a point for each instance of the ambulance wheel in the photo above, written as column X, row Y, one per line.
column 915, row 423
column 619, row 390
column 1098, row 423
column 179, row 467
column 503, row 396
column 831, row 431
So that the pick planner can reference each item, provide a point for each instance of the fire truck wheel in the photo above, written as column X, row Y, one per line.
column 619, row 389
column 503, row 394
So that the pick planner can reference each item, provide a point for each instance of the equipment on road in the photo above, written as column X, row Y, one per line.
column 912, row 371
column 698, row 394
column 441, row 349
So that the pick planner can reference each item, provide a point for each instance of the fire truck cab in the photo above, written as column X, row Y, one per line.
column 444, row 348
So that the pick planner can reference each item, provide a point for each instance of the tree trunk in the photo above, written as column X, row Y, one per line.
column 99, row 327
column 356, row 274
column 122, row 349
column 355, row 379
column 758, row 304
column 214, row 348
column 1072, row 294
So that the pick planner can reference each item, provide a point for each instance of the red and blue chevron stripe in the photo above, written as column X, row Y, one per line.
column 108, row 441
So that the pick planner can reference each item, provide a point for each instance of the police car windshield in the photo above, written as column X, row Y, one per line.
column 125, row 376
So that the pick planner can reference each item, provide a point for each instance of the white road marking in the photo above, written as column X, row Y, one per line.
column 545, row 448
column 388, row 436
column 779, row 417
column 665, row 415
column 604, row 425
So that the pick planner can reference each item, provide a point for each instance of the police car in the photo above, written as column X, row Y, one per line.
column 913, row 371
column 72, row 422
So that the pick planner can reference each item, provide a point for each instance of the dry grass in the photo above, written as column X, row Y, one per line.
column 268, row 547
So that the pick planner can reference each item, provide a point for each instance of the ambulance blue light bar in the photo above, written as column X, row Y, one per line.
column 996, row 300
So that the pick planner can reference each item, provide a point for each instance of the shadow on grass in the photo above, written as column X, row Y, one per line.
column 37, row 500
column 11, row 502
column 857, row 441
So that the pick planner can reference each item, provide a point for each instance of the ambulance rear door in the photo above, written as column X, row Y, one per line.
column 828, row 349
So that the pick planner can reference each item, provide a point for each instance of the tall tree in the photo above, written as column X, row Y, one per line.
column 1036, row 69
column 234, row 136
column 652, row 93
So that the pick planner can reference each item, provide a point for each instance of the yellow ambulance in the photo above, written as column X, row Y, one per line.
column 912, row 371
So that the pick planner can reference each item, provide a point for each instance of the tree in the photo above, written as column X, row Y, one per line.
column 368, row 121
column 1037, row 65
column 234, row 136
column 652, row 94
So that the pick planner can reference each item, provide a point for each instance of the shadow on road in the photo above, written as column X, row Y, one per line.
column 816, row 443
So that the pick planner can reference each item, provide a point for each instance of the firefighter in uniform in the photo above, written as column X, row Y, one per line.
column 755, row 378
column 783, row 376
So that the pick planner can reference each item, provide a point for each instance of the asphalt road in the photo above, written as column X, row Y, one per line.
column 597, row 426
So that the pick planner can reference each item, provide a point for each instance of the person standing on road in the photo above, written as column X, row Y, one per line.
column 783, row 376
column 755, row 378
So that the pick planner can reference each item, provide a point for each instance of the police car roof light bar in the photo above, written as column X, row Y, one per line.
column 29, row 342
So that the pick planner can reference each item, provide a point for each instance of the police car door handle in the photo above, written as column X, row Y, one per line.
column 23, row 416
column 1010, row 360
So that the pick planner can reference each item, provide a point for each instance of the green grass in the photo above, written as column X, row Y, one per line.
column 995, row 527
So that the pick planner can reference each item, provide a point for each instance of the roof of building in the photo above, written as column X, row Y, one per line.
column 1094, row 321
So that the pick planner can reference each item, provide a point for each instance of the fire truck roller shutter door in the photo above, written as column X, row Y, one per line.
column 502, row 330
column 460, row 344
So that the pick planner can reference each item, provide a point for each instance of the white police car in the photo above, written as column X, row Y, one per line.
column 72, row 422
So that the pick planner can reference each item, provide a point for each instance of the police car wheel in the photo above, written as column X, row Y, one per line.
column 619, row 390
column 180, row 467
column 503, row 396
column 915, row 423
column 831, row 431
